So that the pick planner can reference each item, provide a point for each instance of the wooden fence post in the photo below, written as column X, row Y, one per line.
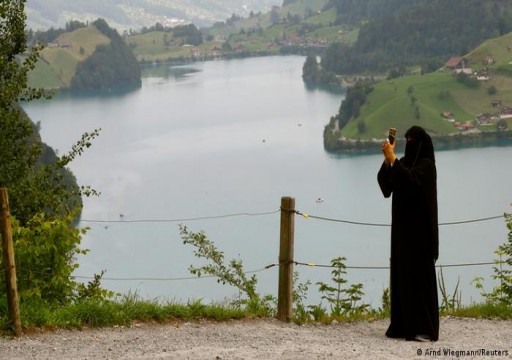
column 10, row 267
column 285, row 292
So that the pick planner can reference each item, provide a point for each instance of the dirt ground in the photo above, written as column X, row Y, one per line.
column 263, row 339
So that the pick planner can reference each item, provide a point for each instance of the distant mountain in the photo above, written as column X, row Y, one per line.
column 135, row 14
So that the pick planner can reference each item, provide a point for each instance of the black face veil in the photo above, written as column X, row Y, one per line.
column 418, row 146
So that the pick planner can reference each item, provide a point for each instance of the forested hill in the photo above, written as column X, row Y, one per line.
column 110, row 65
column 84, row 57
column 425, row 32
column 355, row 11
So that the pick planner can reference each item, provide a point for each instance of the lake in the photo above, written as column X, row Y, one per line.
column 215, row 146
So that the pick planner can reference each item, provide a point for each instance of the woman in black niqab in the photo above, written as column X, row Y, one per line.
column 419, row 146
column 412, row 181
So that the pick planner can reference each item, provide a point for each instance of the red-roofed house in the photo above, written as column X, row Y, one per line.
column 458, row 64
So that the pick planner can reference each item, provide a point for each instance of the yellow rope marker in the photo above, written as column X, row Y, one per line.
column 305, row 215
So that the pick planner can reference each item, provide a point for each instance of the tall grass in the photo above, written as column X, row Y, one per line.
column 131, row 309
column 482, row 310
column 123, row 311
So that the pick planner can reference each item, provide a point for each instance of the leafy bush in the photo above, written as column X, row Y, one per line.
column 300, row 290
column 232, row 273
column 45, row 252
column 342, row 301
column 46, row 201
column 501, row 294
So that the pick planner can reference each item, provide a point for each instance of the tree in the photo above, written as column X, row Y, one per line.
column 34, row 185
column 44, row 202
column 19, row 141
column 351, row 106
column 192, row 34
column 274, row 16
column 311, row 70
column 110, row 65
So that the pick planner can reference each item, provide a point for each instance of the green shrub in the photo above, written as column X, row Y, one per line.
column 342, row 301
column 231, row 273
column 501, row 294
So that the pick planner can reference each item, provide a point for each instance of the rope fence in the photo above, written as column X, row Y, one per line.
column 308, row 216
column 286, row 257
column 213, row 217
column 248, row 214
column 298, row 263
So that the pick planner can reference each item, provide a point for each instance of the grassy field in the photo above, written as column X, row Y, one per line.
column 152, row 46
column 497, row 48
column 44, row 76
column 390, row 105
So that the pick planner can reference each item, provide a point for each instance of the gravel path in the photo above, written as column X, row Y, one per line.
column 264, row 339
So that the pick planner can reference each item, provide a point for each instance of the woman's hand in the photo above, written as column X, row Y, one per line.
column 389, row 152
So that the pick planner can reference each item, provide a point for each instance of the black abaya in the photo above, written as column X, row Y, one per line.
column 414, row 244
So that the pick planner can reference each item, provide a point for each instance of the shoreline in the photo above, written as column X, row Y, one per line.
column 441, row 142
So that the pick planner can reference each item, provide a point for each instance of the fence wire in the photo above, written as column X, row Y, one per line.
column 298, row 263
column 309, row 216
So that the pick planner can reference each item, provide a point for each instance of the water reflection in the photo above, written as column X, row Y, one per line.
column 163, row 71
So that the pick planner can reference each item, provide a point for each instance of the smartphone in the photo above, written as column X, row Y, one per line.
column 391, row 135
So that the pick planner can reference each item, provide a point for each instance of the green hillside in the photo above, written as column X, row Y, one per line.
column 393, row 103
column 59, row 60
column 390, row 105
column 499, row 49
column 44, row 76
column 84, row 57
column 422, row 99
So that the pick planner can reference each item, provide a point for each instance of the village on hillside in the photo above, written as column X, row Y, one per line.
column 460, row 65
